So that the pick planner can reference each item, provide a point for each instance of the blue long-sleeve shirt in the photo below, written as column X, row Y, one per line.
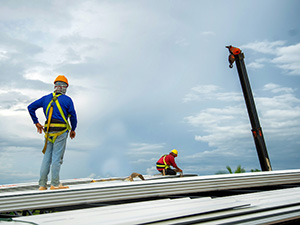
column 66, row 104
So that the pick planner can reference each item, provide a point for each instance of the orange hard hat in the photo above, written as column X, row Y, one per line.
column 61, row 78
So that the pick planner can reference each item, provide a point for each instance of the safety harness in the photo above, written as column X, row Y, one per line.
column 49, row 111
column 163, row 166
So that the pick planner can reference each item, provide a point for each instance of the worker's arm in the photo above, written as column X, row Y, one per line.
column 33, row 107
column 73, row 117
column 172, row 162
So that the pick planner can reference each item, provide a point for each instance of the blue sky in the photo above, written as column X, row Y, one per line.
column 147, row 77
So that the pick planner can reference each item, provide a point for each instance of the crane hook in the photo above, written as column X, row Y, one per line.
column 233, row 52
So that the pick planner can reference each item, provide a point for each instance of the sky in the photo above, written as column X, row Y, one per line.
column 147, row 77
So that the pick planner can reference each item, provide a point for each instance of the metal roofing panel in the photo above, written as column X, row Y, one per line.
column 120, row 190
column 135, row 212
column 255, row 208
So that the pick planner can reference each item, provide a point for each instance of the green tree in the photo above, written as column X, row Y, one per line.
column 239, row 169
column 255, row 170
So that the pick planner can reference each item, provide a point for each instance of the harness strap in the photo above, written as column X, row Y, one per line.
column 62, row 114
column 165, row 165
column 56, row 125
column 52, row 136
column 54, row 98
column 160, row 165
column 47, row 133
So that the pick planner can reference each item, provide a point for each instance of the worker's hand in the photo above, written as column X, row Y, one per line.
column 72, row 134
column 177, row 170
column 39, row 128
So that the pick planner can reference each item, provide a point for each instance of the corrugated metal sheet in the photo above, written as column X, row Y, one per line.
column 35, row 186
column 120, row 190
column 263, row 207
column 254, row 208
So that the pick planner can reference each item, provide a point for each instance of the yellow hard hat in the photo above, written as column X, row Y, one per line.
column 175, row 151
column 62, row 78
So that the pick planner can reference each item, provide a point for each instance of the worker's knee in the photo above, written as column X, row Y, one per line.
column 170, row 172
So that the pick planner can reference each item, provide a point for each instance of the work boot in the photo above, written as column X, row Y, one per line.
column 42, row 188
column 60, row 186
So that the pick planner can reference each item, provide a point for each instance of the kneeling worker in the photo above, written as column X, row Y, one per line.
column 164, row 163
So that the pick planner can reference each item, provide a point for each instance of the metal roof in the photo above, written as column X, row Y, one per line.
column 120, row 190
column 254, row 208
column 272, row 205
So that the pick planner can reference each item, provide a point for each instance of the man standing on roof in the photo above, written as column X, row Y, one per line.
column 57, row 107
column 164, row 163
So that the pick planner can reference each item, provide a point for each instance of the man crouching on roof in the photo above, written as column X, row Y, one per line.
column 164, row 163
column 57, row 108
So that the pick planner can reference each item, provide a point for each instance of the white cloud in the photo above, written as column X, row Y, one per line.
column 213, row 116
column 3, row 55
column 223, row 127
column 151, row 171
column 143, row 161
column 255, row 65
column 227, row 129
column 210, row 92
column 275, row 88
column 39, row 73
column 280, row 114
column 144, row 147
column 265, row 47
column 288, row 58
column 145, row 155
column 258, row 63
column 140, row 150
column 284, row 57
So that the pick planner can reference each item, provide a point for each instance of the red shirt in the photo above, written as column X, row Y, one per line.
column 170, row 160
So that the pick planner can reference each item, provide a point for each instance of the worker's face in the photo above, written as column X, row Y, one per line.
column 173, row 154
column 60, row 87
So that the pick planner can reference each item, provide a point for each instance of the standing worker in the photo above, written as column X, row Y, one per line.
column 164, row 163
column 57, row 108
